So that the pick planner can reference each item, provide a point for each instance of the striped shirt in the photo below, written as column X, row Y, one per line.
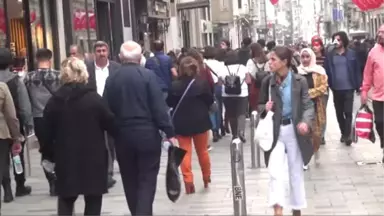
column 320, row 60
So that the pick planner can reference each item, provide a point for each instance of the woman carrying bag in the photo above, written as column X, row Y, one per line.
column 191, row 98
column 293, row 116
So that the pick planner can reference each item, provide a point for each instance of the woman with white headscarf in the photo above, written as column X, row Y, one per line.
column 317, row 83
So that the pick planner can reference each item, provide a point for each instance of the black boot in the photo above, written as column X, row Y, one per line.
column 216, row 136
column 242, row 137
column 22, row 190
column 52, row 188
column 8, row 196
column 222, row 130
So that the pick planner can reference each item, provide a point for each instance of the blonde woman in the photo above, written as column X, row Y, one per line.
column 76, row 119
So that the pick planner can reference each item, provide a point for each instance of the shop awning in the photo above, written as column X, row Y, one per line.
column 192, row 5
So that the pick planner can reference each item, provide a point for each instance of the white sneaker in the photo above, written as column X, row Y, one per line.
column 306, row 167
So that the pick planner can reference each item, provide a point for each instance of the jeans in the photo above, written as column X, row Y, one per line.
column 378, row 109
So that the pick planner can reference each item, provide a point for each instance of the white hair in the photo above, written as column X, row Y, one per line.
column 130, row 51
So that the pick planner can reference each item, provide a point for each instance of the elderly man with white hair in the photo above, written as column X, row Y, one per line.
column 135, row 97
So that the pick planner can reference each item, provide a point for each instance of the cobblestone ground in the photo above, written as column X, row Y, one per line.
column 337, row 186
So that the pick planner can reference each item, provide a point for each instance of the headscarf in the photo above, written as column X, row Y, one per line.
column 312, row 67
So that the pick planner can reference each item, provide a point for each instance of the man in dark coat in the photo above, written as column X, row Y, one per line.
column 99, row 70
column 135, row 97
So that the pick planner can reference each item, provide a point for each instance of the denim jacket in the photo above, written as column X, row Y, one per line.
column 354, row 66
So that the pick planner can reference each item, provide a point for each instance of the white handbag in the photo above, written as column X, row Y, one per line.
column 264, row 130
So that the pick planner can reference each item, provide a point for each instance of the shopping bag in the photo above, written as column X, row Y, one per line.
column 172, row 178
column 363, row 125
column 264, row 132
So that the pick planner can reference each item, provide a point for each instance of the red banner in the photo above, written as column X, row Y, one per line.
column 365, row 5
column 80, row 20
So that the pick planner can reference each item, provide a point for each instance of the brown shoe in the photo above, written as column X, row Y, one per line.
column 189, row 188
column 206, row 182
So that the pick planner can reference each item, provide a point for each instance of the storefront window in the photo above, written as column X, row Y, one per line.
column 37, row 31
column 84, row 24
column 3, row 25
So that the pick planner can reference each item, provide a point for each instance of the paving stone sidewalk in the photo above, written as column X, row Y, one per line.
column 337, row 186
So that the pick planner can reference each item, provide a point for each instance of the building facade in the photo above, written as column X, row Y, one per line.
column 27, row 25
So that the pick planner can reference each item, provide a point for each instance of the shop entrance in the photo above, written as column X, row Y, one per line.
column 25, row 26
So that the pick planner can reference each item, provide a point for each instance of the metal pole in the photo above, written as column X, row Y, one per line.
column 253, row 145
column 238, row 181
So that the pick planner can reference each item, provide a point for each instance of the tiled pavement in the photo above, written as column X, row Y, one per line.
column 338, row 186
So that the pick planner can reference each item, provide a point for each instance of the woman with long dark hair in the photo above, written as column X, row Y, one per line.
column 286, row 94
column 258, row 69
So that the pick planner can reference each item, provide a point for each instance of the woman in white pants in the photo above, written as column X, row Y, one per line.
column 293, row 116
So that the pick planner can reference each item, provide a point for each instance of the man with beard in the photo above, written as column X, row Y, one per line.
column 374, row 78
column 344, row 78
column 99, row 70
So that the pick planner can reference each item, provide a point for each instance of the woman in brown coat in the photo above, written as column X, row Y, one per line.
column 317, row 83
column 9, row 129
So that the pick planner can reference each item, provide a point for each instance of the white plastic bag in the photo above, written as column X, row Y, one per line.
column 264, row 132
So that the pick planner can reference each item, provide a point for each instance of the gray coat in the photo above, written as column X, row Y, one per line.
column 302, row 111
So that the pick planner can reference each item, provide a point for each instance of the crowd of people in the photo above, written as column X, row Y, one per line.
column 92, row 112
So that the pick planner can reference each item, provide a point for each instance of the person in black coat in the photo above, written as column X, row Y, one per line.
column 135, row 97
column 75, row 120
column 191, row 119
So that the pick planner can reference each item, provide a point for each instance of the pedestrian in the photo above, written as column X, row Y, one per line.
column 10, row 136
column 344, row 79
column 41, row 85
column 204, row 71
column 214, row 66
column 24, row 114
column 191, row 94
column 374, row 79
column 317, row 81
column 221, row 56
column 258, row 68
column 135, row 97
column 245, row 51
column 286, row 94
column 75, row 120
column 319, row 49
column 225, row 45
column 99, row 70
column 235, row 102
column 163, row 67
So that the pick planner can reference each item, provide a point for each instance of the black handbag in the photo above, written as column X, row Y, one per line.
column 172, row 178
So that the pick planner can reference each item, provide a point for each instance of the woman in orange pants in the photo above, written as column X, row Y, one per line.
column 190, row 97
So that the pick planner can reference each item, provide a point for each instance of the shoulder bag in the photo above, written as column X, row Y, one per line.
column 264, row 129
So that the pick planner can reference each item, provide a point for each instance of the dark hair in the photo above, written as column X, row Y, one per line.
column 220, row 55
column 100, row 44
column 158, row 45
column 183, row 50
column 209, row 52
column 226, row 42
column 285, row 53
column 258, row 52
column 189, row 67
column 271, row 45
column 43, row 54
column 247, row 41
column 194, row 53
column 261, row 42
column 231, row 58
column 6, row 58
column 343, row 37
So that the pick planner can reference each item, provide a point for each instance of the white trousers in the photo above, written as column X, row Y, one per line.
column 286, row 151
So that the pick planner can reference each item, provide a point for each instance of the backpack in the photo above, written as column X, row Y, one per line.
column 260, row 74
column 232, row 83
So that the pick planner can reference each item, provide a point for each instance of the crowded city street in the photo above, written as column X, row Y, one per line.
column 346, row 181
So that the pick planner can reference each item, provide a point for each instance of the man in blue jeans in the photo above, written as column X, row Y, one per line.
column 162, row 66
